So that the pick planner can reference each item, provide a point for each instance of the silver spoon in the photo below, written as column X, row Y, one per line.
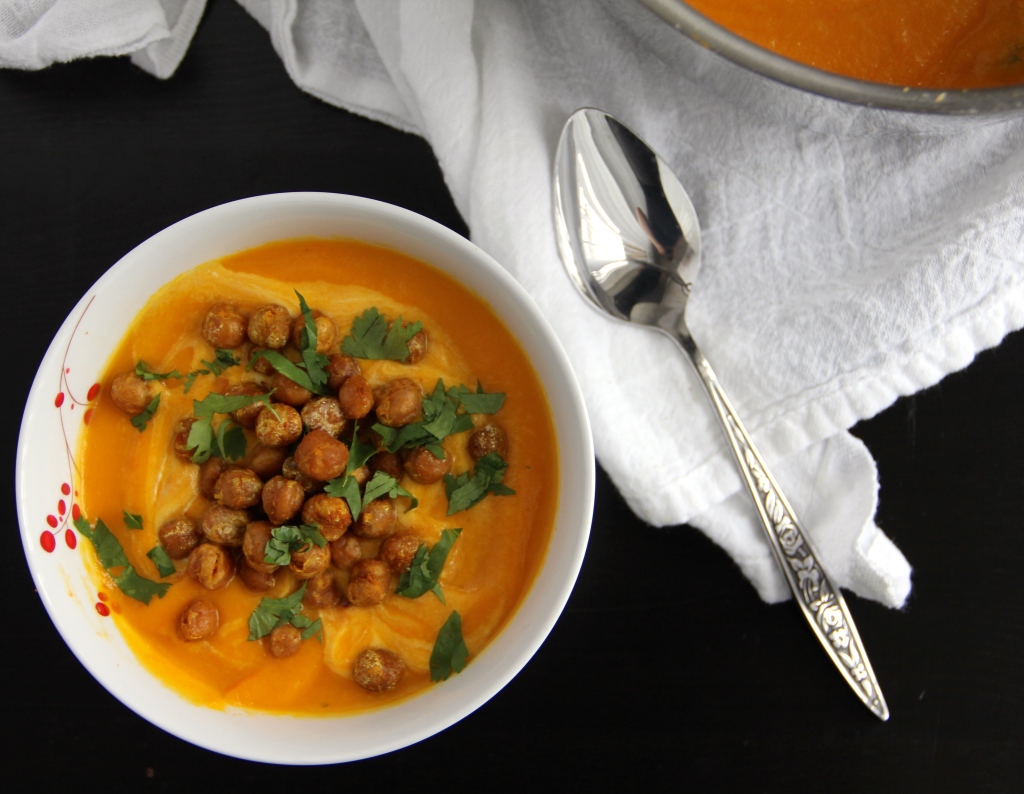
column 630, row 241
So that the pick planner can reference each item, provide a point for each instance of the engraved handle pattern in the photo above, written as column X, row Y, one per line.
column 821, row 603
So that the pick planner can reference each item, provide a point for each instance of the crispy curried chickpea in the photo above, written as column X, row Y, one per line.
column 320, row 456
column 369, row 583
column 290, row 469
column 260, row 581
column 323, row 413
column 326, row 331
column 289, row 392
column 258, row 363
column 224, row 525
column 131, row 393
column 238, row 488
column 376, row 519
column 398, row 402
column 284, row 641
column 266, row 461
column 346, row 551
column 246, row 416
column 418, row 345
column 198, row 621
column 209, row 472
column 310, row 561
column 282, row 498
column 424, row 468
column 322, row 591
column 340, row 367
column 399, row 549
column 179, row 537
column 224, row 326
column 279, row 425
column 355, row 397
column 378, row 669
column 489, row 438
column 269, row 326
column 330, row 514
column 254, row 546
column 211, row 565
column 389, row 463
column 179, row 437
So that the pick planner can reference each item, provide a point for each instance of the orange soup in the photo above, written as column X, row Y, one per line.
column 915, row 43
column 494, row 471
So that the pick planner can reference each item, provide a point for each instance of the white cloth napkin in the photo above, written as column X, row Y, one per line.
column 851, row 256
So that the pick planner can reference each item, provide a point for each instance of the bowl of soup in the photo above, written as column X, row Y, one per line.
column 305, row 478
column 928, row 56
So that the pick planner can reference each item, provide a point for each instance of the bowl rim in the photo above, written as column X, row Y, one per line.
column 461, row 694
column 953, row 101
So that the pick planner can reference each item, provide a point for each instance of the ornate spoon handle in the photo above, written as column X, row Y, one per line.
column 821, row 603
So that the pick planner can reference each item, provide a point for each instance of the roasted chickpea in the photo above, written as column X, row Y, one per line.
column 418, row 344
column 361, row 475
column 376, row 519
column 322, row 591
column 369, row 583
column 179, row 537
column 284, row 641
column 320, row 456
column 340, row 367
column 179, row 438
column 211, row 566
column 289, row 392
column 198, row 621
column 346, row 551
column 389, row 463
column 224, row 525
column 266, row 461
column 323, row 413
column 398, row 402
column 424, row 468
column 238, row 488
column 398, row 550
column 330, row 514
column 310, row 561
column 290, row 470
column 489, row 438
column 355, row 397
column 378, row 670
column 131, row 393
column 281, row 429
column 258, row 363
column 246, row 416
column 224, row 326
column 209, row 472
column 269, row 326
column 282, row 498
column 260, row 581
column 326, row 331
column 254, row 546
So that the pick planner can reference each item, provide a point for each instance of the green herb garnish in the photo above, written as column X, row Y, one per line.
column 287, row 539
column 450, row 652
column 228, row 440
column 467, row 489
column 273, row 612
column 164, row 564
column 425, row 571
column 222, row 360
column 143, row 371
column 139, row 420
column 372, row 338
column 132, row 520
column 316, row 363
column 111, row 555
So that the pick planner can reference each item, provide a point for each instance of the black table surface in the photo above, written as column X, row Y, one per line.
column 688, row 680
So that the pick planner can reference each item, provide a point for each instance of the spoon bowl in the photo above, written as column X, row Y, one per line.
column 629, row 238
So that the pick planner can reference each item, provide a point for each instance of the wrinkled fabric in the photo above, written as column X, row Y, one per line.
column 850, row 256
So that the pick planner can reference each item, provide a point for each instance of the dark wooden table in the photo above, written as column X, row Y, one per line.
column 689, row 679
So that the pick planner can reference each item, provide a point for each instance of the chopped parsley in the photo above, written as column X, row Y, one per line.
column 468, row 488
column 424, row 573
column 373, row 338
column 273, row 612
column 162, row 561
column 312, row 373
column 111, row 556
column 450, row 652
column 287, row 539
column 222, row 360
column 139, row 420
column 228, row 440
column 132, row 520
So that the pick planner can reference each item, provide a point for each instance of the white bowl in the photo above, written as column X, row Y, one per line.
column 52, row 422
